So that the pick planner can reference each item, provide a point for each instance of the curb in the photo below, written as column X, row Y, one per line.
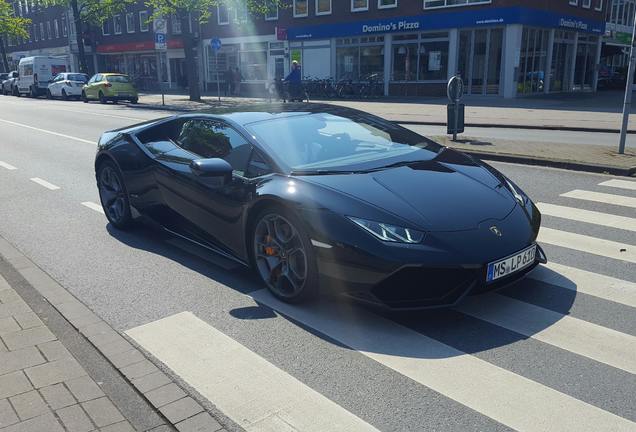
column 563, row 164
column 180, row 410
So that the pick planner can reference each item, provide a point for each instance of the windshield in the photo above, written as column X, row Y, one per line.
column 326, row 142
column 117, row 79
column 77, row 77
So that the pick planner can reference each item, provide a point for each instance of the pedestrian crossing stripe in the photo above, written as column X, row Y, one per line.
column 254, row 393
column 587, row 216
column 604, row 198
column 622, row 184
column 592, row 245
column 605, row 287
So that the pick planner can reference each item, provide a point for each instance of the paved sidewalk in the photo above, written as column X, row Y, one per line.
column 42, row 386
column 51, row 349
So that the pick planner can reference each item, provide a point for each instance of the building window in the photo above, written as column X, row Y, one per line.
column 64, row 26
column 599, row 5
column 176, row 25
column 106, row 27
column 385, row 4
column 574, row 2
column 56, row 27
column 359, row 5
column 420, row 57
column 49, row 33
column 533, row 61
column 143, row 21
column 36, row 34
column 587, row 4
column 254, row 61
column 117, row 24
column 272, row 12
column 42, row 34
column 301, row 8
column 130, row 22
column 431, row 4
column 223, row 15
column 323, row 7
column 360, row 59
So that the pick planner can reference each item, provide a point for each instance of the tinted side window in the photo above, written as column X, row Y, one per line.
column 214, row 139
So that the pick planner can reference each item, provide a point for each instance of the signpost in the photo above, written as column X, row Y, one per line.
column 159, row 26
column 455, row 92
column 216, row 46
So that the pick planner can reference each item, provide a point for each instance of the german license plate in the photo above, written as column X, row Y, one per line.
column 511, row 264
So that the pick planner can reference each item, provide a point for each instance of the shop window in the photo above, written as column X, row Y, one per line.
column 405, row 62
column 117, row 24
column 64, row 26
column 433, row 64
column 359, row 5
column 130, row 22
column 323, row 7
column 348, row 63
column 420, row 57
column 253, row 61
column 106, row 27
column 301, row 8
column 533, row 61
column 385, row 4
column 143, row 21
column 430, row 4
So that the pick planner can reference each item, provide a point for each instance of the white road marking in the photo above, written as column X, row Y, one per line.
column 7, row 166
column 592, row 217
column 48, row 132
column 244, row 386
column 605, row 287
column 502, row 395
column 622, row 184
column 592, row 245
column 590, row 340
column 91, row 205
column 44, row 183
column 602, row 198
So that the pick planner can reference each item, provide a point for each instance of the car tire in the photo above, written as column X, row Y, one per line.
column 16, row 92
column 48, row 94
column 34, row 92
column 83, row 97
column 64, row 95
column 113, row 196
column 134, row 101
column 283, row 256
column 102, row 98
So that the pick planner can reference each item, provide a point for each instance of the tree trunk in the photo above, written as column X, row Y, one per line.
column 79, row 39
column 190, row 60
column 3, row 53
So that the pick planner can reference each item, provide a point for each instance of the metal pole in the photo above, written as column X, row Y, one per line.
column 218, row 82
column 627, row 106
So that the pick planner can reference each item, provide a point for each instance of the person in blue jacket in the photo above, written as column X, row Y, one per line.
column 295, row 81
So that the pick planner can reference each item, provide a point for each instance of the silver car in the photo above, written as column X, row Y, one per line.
column 8, row 85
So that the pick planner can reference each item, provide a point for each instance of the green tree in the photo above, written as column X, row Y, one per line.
column 11, row 26
column 200, row 10
column 86, row 13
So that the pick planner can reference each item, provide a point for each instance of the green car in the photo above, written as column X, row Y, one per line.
column 106, row 87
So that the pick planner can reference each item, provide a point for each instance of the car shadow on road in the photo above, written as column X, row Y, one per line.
column 462, row 332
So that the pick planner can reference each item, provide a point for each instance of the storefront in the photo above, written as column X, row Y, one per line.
column 498, row 51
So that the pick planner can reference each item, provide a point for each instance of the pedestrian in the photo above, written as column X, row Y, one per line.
column 294, row 79
column 238, row 77
column 229, row 81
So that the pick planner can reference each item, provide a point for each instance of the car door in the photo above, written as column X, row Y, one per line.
column 91, row 88
column 213, row 209
column 56, row 85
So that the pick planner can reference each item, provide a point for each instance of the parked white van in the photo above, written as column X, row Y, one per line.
column 34, row 74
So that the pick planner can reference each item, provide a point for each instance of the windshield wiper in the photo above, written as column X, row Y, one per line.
column 395, row 165
column 323, row 172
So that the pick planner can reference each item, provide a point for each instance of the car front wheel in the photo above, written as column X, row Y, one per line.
column 84, row 98
column 283, row 256
column 102, row 98
column 113, row 195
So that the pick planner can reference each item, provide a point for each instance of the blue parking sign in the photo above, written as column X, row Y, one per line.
column 216, row 44
column 160, row 38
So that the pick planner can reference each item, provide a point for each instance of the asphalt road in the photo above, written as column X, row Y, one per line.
column 554, row 352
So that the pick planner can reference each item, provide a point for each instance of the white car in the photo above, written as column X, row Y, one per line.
column 67, row 85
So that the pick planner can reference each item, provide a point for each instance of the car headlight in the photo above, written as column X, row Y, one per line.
column 390, row 233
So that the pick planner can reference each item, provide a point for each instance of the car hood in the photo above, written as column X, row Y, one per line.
column 449, row 193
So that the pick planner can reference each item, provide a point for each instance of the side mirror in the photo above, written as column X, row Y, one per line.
column 212, row 168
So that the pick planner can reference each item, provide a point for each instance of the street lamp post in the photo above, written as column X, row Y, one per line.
column 627, row 105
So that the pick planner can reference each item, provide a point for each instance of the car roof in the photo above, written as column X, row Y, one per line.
column 111, row 74
column 247, row 114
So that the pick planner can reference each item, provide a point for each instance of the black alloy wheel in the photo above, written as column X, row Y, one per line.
column 283, row 257
column 113, row 196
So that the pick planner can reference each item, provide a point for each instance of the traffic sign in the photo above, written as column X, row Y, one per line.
column 160, row 41
column 160, row 25
column 216, row 44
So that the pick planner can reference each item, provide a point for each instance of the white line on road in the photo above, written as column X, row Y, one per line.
column 500, row 394
column 602, row 198
column 91, row 205
column 592, row 217
column 605, row 287
column 244, row 386
column 592, row 245
column 590, row 340
column 44, row 183
column 622, row 184
column 48, row 132
column 7, row 166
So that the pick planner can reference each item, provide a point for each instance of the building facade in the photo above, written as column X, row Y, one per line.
column 506, row 48
column 618, row 33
